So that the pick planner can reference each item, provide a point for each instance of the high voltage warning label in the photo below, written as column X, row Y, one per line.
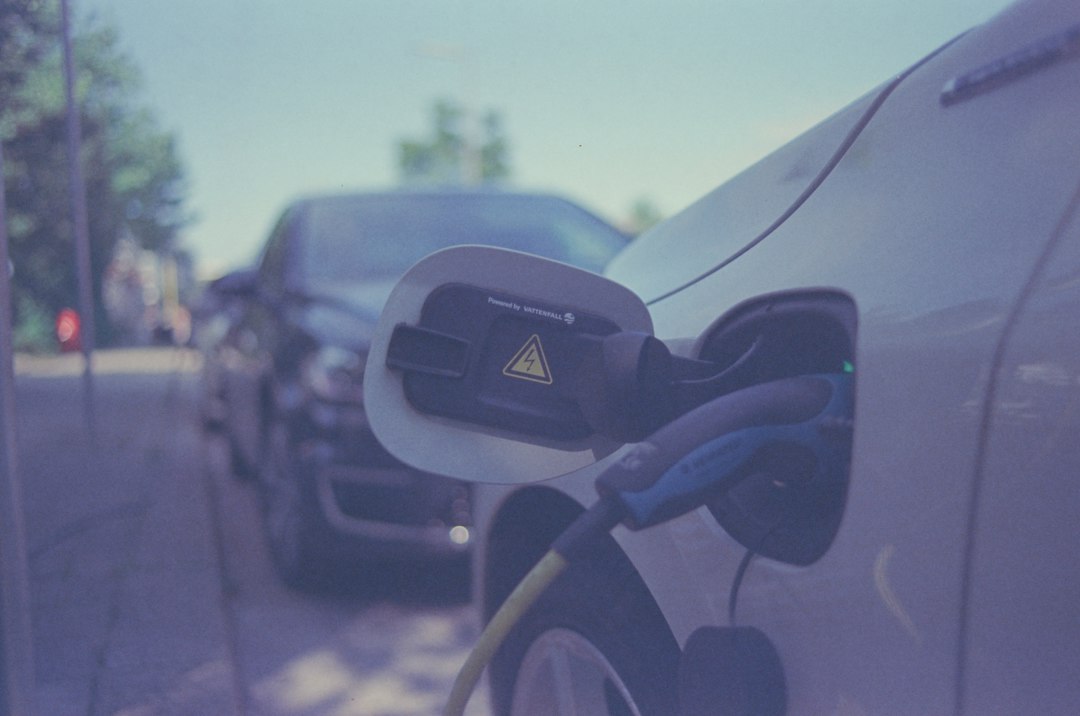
column 529, row 363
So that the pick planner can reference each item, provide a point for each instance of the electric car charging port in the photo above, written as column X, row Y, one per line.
column 781, row 512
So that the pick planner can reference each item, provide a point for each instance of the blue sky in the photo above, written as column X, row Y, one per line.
column 604, row 101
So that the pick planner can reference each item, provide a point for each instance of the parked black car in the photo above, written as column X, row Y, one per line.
column 216, row 313
column 293, row 365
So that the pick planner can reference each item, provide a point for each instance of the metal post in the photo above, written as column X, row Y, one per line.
column 16, row 641
column 82, row 232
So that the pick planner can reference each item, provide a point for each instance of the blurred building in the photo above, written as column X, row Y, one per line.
column 147, row 294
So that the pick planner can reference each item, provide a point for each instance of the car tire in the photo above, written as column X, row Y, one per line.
column 299, row 540
column 596, row 640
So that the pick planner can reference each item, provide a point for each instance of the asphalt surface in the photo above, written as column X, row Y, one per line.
column 152, row 592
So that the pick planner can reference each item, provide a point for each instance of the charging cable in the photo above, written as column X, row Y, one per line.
column 788, row 427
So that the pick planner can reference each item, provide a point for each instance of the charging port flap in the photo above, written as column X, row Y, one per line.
column 478, row 360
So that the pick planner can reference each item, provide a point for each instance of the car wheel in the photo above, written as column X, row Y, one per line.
column 296, row 533
column 594, row 643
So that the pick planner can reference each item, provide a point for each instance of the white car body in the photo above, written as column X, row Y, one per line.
column 952, row 585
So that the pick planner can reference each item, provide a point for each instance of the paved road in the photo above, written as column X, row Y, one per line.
column 152, row 591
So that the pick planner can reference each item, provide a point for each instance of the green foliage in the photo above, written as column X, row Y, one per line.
column 644, row 214
column 494, row 151
column 25, row 27
column 34, row 334
column 134, row 180
column 451, row 155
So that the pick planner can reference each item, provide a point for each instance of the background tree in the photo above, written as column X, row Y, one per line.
column 452, row 155
column 23, row 40
column 644, row 214
column 134, row 180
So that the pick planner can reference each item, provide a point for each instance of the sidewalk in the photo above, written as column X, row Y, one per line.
column 126, row 577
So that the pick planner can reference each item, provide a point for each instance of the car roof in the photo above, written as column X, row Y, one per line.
column 482, row 190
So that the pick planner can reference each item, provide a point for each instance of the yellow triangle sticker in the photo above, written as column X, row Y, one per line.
column 530, row 363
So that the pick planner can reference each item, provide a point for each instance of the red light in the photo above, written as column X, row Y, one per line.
column 67, row 330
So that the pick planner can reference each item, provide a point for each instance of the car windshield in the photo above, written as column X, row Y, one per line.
column 380, row 236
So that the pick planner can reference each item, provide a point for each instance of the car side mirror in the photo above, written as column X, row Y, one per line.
column 481, row 356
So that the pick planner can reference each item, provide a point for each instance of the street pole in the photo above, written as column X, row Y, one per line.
column 16, row 641
column 82, row 232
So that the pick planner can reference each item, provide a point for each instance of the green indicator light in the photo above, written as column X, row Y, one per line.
column 849, row 367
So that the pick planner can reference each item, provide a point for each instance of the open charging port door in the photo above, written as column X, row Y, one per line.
column 479, row 359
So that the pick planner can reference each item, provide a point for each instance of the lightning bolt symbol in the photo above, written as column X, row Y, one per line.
column 529, row 363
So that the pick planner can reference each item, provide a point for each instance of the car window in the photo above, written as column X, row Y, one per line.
column 349, row 238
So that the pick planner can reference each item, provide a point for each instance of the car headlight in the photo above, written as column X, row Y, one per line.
column 335, row 374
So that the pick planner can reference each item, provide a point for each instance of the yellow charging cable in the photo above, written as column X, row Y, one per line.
column 597, row 520
column 527, row 591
